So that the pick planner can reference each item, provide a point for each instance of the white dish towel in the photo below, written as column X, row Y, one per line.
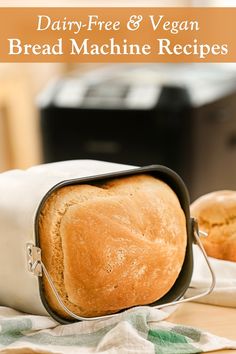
column 224, row 293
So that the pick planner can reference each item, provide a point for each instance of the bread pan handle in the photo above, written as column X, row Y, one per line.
column 196, row 233
column 38, row 263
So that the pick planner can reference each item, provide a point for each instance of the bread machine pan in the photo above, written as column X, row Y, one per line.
column 23, row 195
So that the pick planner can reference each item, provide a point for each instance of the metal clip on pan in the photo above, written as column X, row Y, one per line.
column 36, row 266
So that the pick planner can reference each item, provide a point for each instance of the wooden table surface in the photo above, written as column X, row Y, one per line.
column 217, row 320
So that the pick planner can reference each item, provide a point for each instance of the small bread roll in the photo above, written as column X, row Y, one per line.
column 216, row 214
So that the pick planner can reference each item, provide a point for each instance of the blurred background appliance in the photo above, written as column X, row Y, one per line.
column 181, row 116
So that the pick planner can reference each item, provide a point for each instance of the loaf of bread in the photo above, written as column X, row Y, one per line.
column 112, row 245
column 216, row 214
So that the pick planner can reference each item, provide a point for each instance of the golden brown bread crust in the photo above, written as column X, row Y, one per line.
column 216, row 214
column 112, row 246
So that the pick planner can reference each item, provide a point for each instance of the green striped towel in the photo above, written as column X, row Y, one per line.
column 141, row 330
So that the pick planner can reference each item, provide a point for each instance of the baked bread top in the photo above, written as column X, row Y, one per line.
column 216, row 214
column 113, row 245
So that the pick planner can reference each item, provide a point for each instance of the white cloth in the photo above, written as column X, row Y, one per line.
column 224, row 293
